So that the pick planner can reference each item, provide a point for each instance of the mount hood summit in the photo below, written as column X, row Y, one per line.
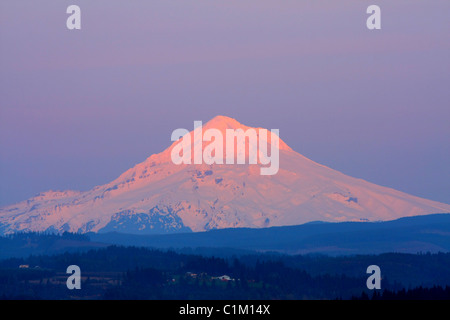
column 157, row 196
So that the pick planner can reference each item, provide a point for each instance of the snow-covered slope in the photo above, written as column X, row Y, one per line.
column 157, row 196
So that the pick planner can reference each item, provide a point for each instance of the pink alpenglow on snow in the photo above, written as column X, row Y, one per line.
column 223, row 145
column 158, row 196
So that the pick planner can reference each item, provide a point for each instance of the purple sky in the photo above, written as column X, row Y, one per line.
column 77, row 108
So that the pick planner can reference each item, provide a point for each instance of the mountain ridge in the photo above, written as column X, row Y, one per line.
column 157, row 196
column 427, row 233
column 418, row 234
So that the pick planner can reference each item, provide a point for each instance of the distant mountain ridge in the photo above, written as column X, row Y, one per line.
column 429, row 233
column 157, row 196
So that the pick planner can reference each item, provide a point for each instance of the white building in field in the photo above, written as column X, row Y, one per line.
column 223, row 278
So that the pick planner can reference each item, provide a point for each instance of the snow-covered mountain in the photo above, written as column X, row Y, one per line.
column 157, row 196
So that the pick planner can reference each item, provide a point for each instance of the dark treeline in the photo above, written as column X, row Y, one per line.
column 420, row 293
column 141, row 273
column 34, row 236
column 23, row 244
